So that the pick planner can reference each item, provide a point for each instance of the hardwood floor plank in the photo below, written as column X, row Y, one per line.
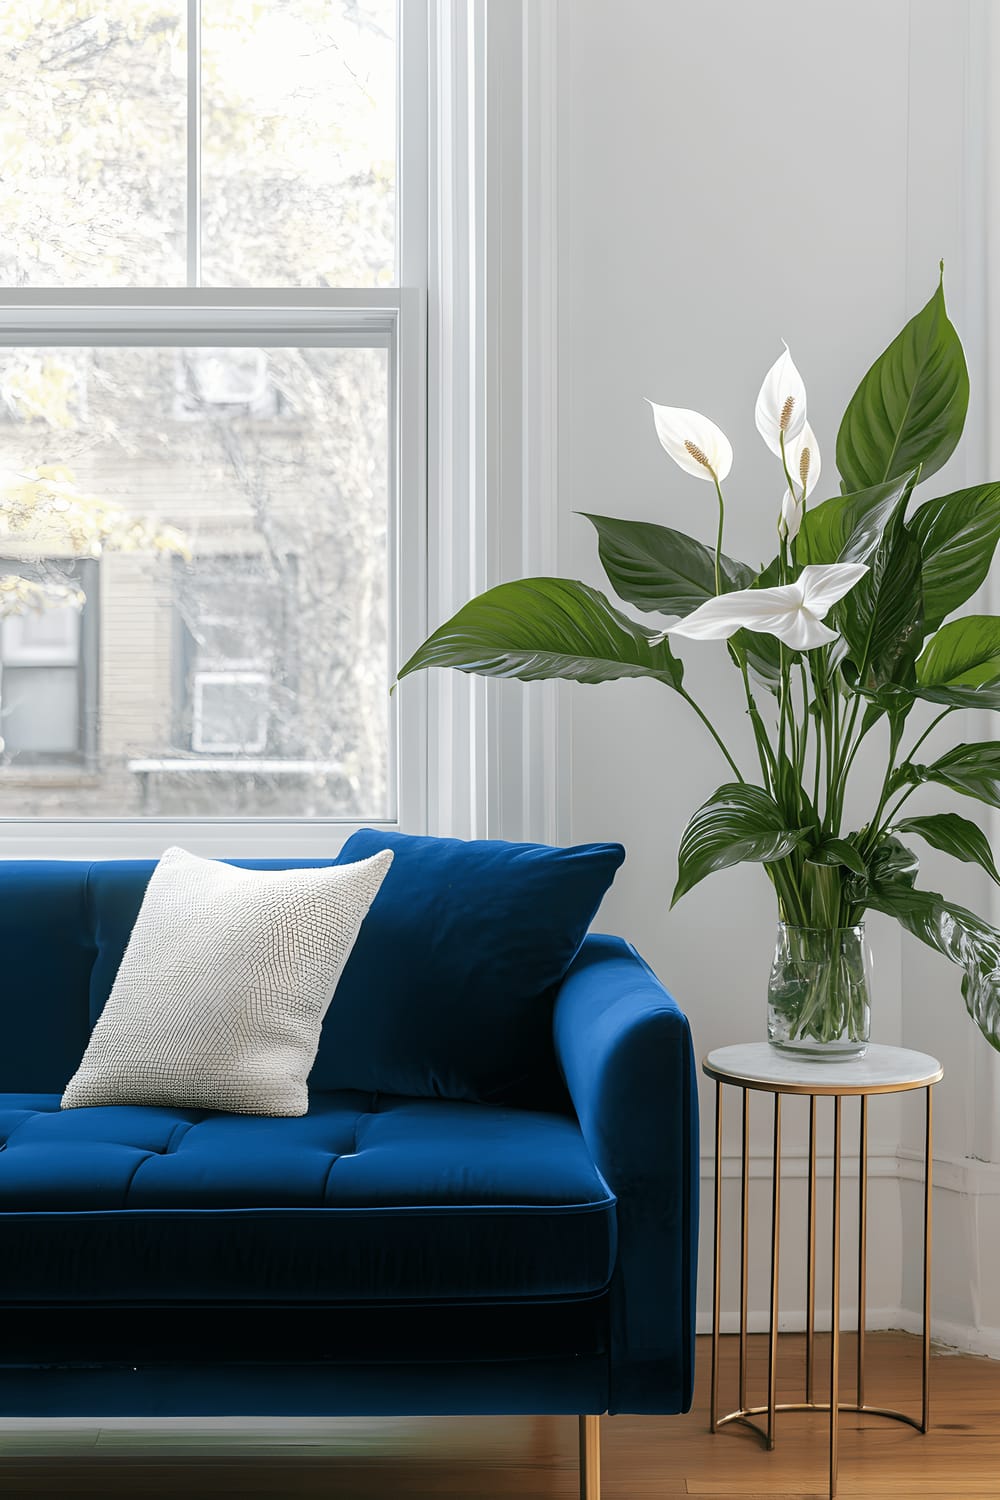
column 534, row 1458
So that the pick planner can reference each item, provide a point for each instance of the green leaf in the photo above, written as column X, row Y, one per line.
column 966, row 651
column 972, row 769
column 960, row 665
column 958, row 534
column 881, row 618
column 910, row 407
column 961, row 936
column 657, row 568
column 955, row 836
column 738, row 823
column 985, row 697
column 897, row 700
column 893, row 862
column 537, row 628
column 837, row 852
column 763, row 654
column 848, row 528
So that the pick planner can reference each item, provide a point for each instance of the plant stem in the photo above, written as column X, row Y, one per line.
column 846, row 757
column 712, row 731
column 791, row 486
column 800, row 764
column 718, row 539
column 764, row 752
column 933, row 725
column 890, row 816
column 875, row 830
column 874, row 837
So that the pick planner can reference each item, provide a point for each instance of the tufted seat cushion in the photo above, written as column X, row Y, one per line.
column 364, row 1198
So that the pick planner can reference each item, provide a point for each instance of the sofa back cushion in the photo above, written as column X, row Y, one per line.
column 448, row 992
column 46, row 957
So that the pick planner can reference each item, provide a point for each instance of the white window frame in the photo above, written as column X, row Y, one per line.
column 393, row 318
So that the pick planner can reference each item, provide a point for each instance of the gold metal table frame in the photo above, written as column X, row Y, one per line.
column 818, row 1079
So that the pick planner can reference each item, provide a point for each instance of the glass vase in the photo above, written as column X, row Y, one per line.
column 818, row 994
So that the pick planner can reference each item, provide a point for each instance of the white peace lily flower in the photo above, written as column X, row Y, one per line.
column 790, row 518
column 802, row 457
column 793, row 612
column 781, row 404
column 693, row 442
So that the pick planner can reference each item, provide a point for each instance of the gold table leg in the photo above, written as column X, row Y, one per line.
column 928, row 1160
column 590, row 1458
column 772, row 1355
column 811, row 1262
column 744, row 1264
column 716, row 1266
column 862, row 1246
column 745, row 1414
column 835, row 1304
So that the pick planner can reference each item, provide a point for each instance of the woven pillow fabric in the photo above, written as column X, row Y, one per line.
column 222, row 990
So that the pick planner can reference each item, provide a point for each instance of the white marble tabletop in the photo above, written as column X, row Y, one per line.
column 881, row 1070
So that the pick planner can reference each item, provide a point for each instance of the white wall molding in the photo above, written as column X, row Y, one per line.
column 950, row 1174
column 495, row 770
column 544, row 809
column 528, row 793
column 962, row 1337
column 793, row 1320
column 883, row 1161
column 457, row 500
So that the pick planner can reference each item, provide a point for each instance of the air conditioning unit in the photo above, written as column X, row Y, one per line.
column 224, row 380
column 230, row 712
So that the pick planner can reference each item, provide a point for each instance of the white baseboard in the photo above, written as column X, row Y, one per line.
column 959, row 1336
column 951, row 1174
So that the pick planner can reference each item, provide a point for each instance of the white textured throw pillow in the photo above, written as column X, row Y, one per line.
column 223, row 987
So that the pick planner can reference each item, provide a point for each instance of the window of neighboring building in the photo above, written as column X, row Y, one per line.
column 48, row 675
column 236, row 684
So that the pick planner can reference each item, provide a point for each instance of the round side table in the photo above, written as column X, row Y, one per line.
column 760, row 1067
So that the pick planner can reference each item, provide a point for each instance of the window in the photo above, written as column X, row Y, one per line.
column 48, row 672
column 204, row 331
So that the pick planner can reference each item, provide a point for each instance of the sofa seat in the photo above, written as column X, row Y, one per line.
column 367, row 1198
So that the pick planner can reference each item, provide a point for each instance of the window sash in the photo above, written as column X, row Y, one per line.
column 366, row 318
column 391, row 318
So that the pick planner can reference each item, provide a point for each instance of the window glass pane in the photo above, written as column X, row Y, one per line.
column 298, row 142
column 48, row 637
column 40, row 710
column 255, row 675
column 92, row 142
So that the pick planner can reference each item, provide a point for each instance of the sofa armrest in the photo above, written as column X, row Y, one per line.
column 625, row 1051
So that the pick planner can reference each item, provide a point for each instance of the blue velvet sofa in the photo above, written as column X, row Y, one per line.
column 486, row 1208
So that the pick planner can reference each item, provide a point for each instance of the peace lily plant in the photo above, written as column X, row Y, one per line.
column 840, row 637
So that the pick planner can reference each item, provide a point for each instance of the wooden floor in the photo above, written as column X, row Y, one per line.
column 535, row 1458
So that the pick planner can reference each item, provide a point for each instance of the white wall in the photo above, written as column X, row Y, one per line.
column 730, row 174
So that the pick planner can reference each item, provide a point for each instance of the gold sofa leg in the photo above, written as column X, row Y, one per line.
column 590, row 1458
